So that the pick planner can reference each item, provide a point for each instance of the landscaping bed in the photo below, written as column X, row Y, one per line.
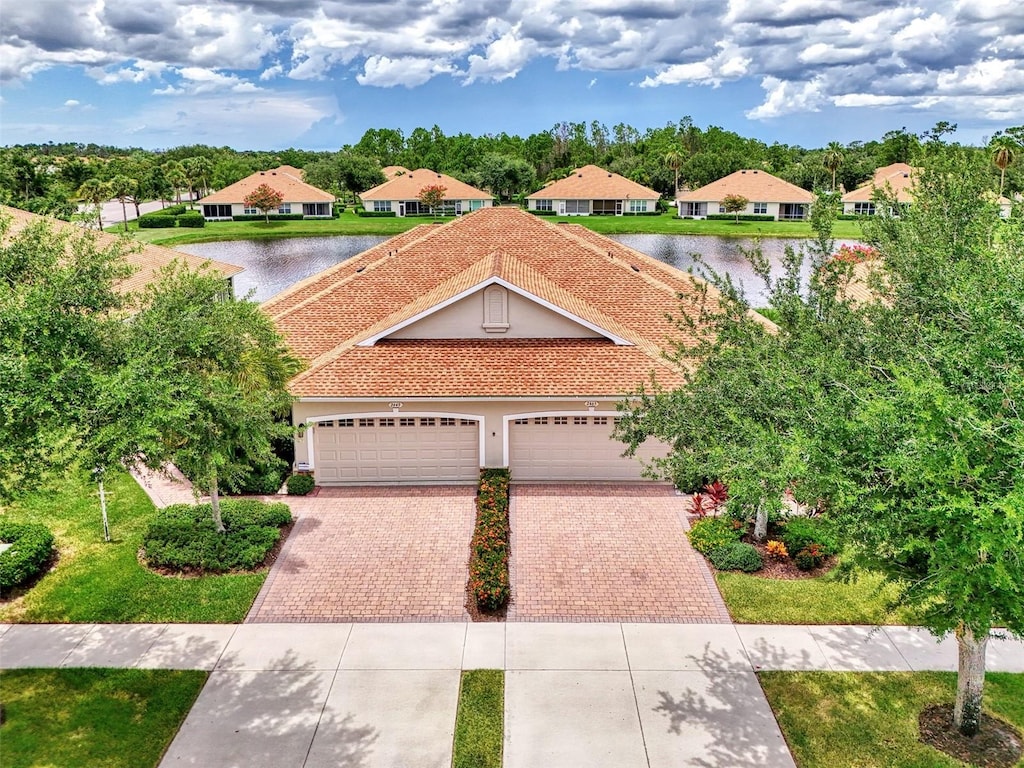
column 489, row 587
column 103, row 582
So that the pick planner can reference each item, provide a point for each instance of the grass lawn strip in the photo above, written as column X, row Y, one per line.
column 99, row 582
column 825, row 600
column 350, row 224
column 870, row 720
column 104, row 718
column 479, row 722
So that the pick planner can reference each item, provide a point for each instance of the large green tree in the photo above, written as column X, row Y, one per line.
column 214, row 371
column 900, row 415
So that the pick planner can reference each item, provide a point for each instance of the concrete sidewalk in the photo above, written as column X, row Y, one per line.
column 614, row 695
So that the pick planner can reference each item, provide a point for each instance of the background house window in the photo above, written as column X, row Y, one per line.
column 284, row 208
column 577, row 206
column 721, row 208
column 864, row 209
column 495, row 309
column 637, row 206
column 381, row 205
column 476, row 205
column 251, row 211
column 760, row 208
column 543, row 205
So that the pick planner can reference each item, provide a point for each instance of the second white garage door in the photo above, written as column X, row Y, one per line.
column 572, row 448
column 400, row 449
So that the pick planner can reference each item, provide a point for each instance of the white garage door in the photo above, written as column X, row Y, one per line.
column 399, row 449
column 572, row 448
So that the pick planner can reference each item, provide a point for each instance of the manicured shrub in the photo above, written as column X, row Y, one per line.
column 776, row 550
column 273, row 217
column 742, row 217
column 712, row 533
column 32, row 547
column 183, row 536
column 488, row 560
column 809, row 558
column 264, row 479
column 375, row 214
column 300, row 485
column 800, row 532
column 193, row 219
column 157, row 222
column 737, row 556
column 536, row 212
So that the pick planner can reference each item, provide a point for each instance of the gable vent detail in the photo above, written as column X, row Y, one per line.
column 495, row 309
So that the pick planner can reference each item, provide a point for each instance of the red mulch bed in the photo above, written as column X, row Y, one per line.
column 996, row 745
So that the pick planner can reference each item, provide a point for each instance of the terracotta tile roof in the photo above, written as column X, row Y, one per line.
column 593, row 183
column 146, row 257
column 899, row 177
column 621, row 291
column 408, row 186
column 285, row 179
column 755, row 185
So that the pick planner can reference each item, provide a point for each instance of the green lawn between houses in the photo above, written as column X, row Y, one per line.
column 869, row 719
column 96, row 581
column 350, row 224
column 102, row 718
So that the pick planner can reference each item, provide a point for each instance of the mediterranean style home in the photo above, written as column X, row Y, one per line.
column 146, row 259
column 299, row 197
column 497, row 339
column 896, row 179
column 593, row 191
column 767, row 195
column 400, row 194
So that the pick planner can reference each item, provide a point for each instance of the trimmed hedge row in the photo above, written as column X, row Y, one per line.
column 183, row 537
column 742, row 217
column 488, row 559
column 273, row 217
column 375, row 214
column 164, row 219
column 32, row 548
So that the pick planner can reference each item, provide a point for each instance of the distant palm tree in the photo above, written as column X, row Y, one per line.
column 124, row 189
column 176, row 176
column 1004, row 154
column 832, row 159
column 674, row 160
column 95, row 192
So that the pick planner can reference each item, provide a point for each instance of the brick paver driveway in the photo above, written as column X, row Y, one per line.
column 606, row 553
column 373, row 554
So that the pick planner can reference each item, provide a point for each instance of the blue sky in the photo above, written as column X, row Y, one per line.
column 255, row 74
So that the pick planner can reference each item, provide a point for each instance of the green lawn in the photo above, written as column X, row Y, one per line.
column 350, row 224
column 825, row 600
column 95, row 581
column 869, row 720
column 479, row 722
column 102, row 718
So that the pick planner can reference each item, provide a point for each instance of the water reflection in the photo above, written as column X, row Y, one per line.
column 273, row 265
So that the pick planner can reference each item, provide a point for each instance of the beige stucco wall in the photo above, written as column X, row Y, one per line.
column 464, row 320
column 490, row 411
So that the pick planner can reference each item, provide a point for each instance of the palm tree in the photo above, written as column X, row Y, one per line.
column 198, row 170
column 1004, row 154
column 176, row 176
column 123, row 188
column 95, row 192
column 674, row 160
column 832, row 159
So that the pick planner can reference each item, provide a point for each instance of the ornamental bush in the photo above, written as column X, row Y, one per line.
column 375, row 214
column 300, row 485
column 193, row 219
column 157, row 222
column 183, row 537
column 273, row 217
column 800, row 532
column 488, row 560
column 737, row 556
column 32, row 547
column 712, row 533
column 809, row 558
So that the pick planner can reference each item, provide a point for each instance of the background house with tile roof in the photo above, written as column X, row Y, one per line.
column 895, row 179
column 400, row 194
column 767, row 195
column 146, row 259
column 299, row 197
column 496, row 339
column 593, row 191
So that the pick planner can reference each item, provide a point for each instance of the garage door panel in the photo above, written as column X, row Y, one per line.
column 396, row 450
column 573, row 448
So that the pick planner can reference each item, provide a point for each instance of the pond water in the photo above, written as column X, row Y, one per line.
column 273, row 265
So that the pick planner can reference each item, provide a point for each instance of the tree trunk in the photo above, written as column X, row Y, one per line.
column 215, row 506
column 760, row 523
column 99, row 215
column 124, row 213
column 970, row 680
column 103, row 512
